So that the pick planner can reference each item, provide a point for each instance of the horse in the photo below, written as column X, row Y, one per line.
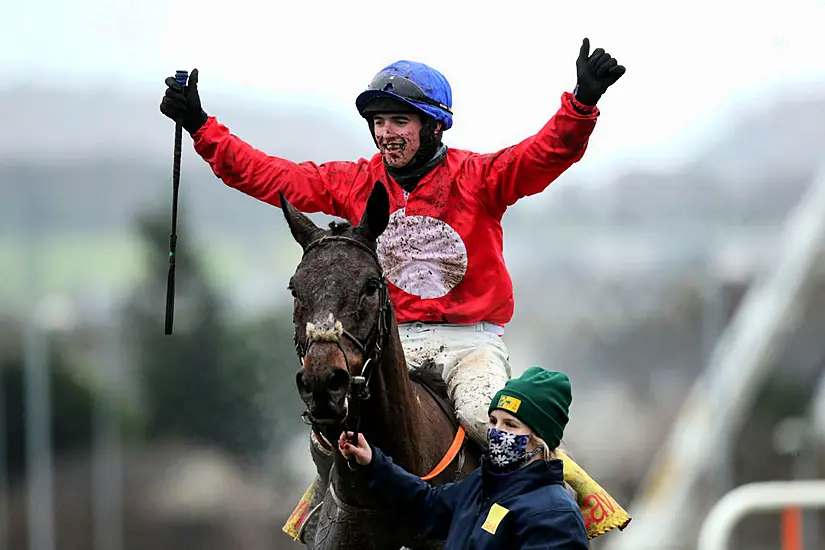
column 353, row 376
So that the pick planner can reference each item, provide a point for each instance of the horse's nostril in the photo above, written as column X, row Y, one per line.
column 338, row 380
column 303, row 389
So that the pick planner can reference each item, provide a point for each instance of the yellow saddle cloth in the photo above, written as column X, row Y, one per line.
column 600, row 510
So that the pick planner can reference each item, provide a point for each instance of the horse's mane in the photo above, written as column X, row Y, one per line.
column 346, row 229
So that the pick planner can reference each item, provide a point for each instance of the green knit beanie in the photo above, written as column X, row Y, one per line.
column 541, row 399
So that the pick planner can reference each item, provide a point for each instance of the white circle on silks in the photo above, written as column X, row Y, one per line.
column 422, row 256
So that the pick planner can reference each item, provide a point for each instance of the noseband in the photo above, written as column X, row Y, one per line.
column 370, row 347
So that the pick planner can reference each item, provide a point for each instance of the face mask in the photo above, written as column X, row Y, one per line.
column 508, row 452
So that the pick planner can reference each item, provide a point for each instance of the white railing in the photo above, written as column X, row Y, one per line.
column 766, row 496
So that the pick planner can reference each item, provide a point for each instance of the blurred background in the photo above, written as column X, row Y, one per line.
column 676, row 272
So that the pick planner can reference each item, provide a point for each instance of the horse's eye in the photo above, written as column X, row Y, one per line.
column 372, row 286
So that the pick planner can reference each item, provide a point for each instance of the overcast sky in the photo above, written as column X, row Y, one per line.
column 688, row 63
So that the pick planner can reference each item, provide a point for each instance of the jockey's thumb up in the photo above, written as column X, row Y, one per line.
column 361, row 453
column 595, row 73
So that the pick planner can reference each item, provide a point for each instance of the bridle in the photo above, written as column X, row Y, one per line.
column 369, row 347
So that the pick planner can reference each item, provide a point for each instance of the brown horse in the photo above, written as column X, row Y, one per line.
column 354, row 376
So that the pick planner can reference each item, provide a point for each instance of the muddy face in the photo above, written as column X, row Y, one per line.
column 398, row 137
column 337, row 299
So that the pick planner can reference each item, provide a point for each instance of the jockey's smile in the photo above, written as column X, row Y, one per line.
column 398, row 137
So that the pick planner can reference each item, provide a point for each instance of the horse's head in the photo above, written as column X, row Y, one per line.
column 341, row 307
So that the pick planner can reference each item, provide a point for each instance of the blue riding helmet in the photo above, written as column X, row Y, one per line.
column 415, row 84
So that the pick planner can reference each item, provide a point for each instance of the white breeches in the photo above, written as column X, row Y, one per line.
column 473, row 361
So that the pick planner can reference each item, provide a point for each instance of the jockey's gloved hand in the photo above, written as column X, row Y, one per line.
column 184, row 103
column 596, row 72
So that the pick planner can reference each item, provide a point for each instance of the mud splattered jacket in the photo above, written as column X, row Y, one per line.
column 443, row 249
column 526, row 510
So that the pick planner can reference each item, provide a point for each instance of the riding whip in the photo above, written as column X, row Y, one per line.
column 181, row 77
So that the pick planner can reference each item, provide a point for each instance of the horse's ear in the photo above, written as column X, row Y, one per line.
column 300, row 225
column 377, row 214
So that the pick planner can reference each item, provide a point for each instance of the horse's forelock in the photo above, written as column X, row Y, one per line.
column 339, row 228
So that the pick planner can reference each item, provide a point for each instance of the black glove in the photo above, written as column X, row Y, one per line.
column 184, row 104
column 595, row 73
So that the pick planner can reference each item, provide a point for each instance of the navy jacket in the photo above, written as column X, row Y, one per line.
column 528, row 509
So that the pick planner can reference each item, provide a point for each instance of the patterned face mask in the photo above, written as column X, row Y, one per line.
column 508, row 452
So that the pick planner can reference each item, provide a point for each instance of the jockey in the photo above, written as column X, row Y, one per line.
column 442, row 252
